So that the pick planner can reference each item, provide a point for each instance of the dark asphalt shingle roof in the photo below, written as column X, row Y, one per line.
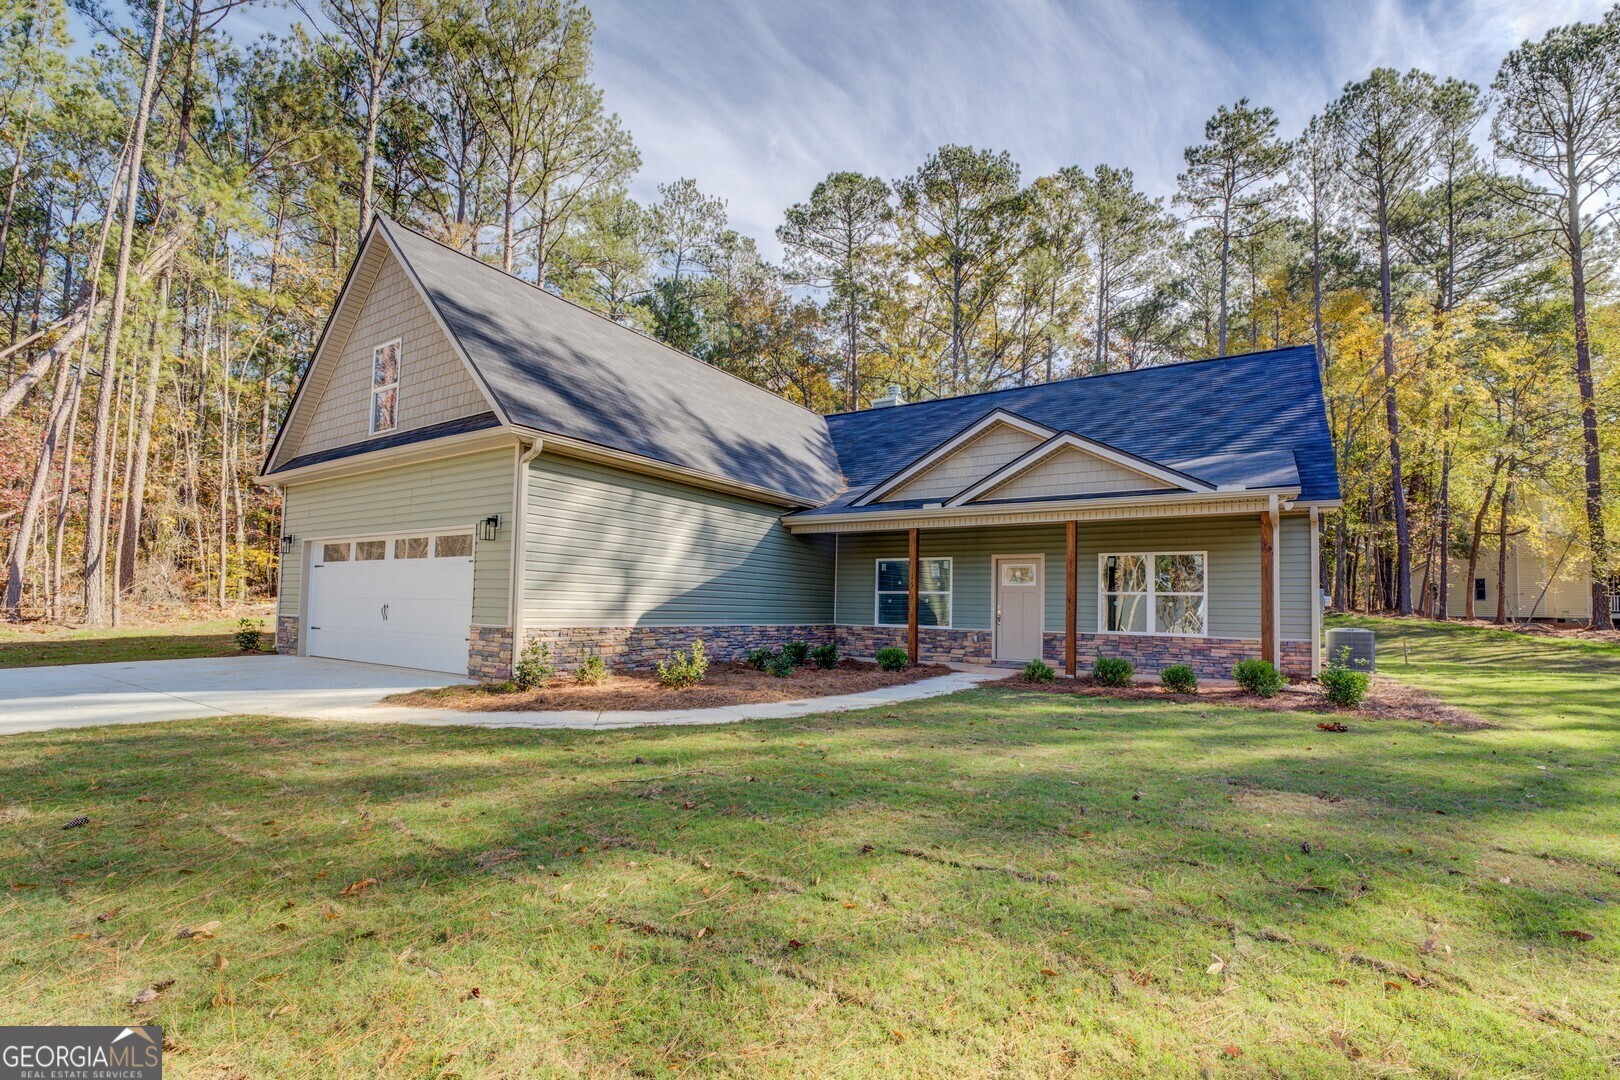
column 1257, row 419
column 558, row 368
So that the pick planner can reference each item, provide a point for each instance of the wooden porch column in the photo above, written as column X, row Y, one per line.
column 1268, row 603
column 911, row 595
column 1071, row 593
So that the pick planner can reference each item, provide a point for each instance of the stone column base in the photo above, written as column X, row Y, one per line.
column 489, row 652
column 935, row 644
column 1210, row 658
column 287, row 635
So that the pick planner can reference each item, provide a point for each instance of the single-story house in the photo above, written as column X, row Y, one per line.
column 1546, row 574
column 470, row 462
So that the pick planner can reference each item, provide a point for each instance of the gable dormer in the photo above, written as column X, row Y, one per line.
column 983, row 447
column 1072, row 466
column 384, row 367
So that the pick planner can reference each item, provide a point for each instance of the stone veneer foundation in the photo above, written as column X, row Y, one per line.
column 489, row 652
column 287, row 635
column 640, row 647
column 1210, row 658
column 935, row 644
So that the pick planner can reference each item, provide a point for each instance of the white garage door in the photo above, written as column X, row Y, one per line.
column 401, row 600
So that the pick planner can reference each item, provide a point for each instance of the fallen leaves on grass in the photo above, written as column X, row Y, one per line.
column 77, row 823
column 1578, row 935
column 1217, row 967
column 355, row 888
column 201, row 933
column 1334, row 726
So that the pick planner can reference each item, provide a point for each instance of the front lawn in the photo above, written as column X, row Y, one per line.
column 37, row 645
column 994, row 882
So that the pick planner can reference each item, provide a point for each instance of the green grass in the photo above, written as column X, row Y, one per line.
column 996, row 882
column 30, row 647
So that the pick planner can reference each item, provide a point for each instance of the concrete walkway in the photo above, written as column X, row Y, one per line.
column 83, row 695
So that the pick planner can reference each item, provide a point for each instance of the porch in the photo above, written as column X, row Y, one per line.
column 1202, row 589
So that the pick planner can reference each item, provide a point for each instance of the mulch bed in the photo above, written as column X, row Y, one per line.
column 725, row 684
column 1386, row 699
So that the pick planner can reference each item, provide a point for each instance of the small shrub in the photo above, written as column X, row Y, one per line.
column 684, row 669
column 893, row 658
column 1039, row 670
column 797, row 651
column 1344, row 686
column 1258, row 677
column 247, row 635
column 591, row 671
column 534, row 668
column 760, row 659
column 1112, row 671
column 1179, row 679
column 825, row 656
column 781, row 665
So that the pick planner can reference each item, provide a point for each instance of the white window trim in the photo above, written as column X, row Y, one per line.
column 317, row 543
column 949, row 594
column 371, row 398
column 1151, row 593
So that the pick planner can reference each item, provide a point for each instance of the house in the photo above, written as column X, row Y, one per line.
column 1547, row 575
column 470, row 462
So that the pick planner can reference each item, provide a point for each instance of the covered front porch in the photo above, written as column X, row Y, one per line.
column 1202, row 585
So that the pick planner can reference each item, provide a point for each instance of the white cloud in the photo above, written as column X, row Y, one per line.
column 760, row 100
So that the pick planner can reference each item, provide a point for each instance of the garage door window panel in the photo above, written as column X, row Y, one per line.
column 411, row 547
column 458, row 546
column 371, row 550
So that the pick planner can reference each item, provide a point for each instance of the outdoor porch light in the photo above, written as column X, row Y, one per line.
column 489, row 527
column 287, row 543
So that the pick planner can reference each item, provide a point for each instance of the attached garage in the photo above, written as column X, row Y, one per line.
column 400, row 600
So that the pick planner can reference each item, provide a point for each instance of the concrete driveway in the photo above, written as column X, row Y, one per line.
column 82, row 695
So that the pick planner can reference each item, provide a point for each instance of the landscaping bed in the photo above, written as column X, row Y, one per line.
column 725, row 684
column 1387, row 699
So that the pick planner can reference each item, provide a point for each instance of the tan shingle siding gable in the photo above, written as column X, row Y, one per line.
column 961, row 468
column 434, row 383
column 1072, row 471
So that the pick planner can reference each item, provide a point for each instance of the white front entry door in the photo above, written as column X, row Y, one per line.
column 1020, row 606
column 399, row 600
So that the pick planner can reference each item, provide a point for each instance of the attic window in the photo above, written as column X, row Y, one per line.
column 384, row 387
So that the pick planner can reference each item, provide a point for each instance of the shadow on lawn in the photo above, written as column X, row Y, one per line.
column 158, row 645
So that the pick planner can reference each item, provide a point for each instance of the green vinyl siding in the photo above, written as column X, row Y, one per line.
column 1298, row 591
column 606, row 547
column 444, row 493
column 1232, row 571
column 970, row 551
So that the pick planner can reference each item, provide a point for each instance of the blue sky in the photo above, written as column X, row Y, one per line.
column 759, row 100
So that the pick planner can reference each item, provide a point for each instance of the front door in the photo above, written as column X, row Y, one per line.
column 1020, row 606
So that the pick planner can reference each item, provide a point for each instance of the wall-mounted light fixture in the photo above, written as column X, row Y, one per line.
column 287, row 544
column 489, row 527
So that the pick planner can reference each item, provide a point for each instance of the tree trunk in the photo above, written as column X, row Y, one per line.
column 1475, row 538
column 1602, row 618
column 95, row 596
column 135, row 505
column 1226, row 254
column 1501, row 552
column 1403, row 534
column 1443, row 600
column 64, row 497
column 17, row 563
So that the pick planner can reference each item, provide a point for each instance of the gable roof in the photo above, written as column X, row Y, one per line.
column 1255, row 420
column 560, row 369
column 1151, row 473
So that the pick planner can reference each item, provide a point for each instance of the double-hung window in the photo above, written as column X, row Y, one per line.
column 933, row 592
column 1153, row 593
column 384, row 387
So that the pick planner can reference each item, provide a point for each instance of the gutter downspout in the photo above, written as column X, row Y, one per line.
column 520, row 518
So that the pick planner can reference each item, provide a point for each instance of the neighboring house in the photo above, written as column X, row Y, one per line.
column 1547, row 576
column 471, row 462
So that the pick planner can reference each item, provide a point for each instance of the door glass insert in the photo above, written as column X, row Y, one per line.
column 370, row 550
column 1018, row 573
column 335, row 553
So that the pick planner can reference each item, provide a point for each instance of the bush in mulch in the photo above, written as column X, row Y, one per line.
column 1386, row 699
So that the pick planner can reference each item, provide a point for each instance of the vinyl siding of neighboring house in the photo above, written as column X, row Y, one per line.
column 1072, row 471
column 1232, row 571
column 445, row 493
column 984, row 455
column 1528, row 571
column 606, row 547
column 434, row 383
